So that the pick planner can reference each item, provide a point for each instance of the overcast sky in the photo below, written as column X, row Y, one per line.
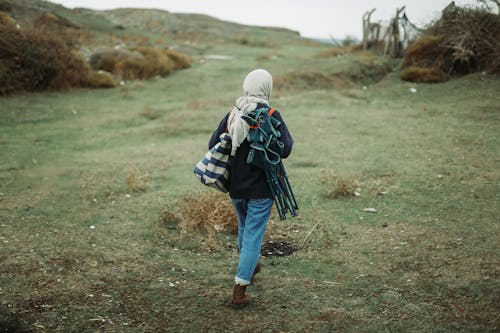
column 312, row 18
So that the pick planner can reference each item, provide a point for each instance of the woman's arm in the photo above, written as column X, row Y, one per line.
column 286, row 137
column 216, row 134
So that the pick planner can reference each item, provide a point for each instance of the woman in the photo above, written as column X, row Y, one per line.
column 248, row 189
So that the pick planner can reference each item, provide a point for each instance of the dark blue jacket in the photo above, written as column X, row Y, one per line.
column 247, row 181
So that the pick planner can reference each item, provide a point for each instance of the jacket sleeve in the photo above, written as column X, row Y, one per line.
column 286, row 137
column 218, row 131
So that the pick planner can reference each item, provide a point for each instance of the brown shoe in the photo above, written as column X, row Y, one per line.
column 240, row 300
column 256, row 270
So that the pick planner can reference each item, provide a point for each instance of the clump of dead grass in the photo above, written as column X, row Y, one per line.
column 339, row 186
column 208, row 211
column 424, row 74
column 135, row 180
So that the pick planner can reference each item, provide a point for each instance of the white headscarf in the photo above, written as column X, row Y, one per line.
column 257, row 88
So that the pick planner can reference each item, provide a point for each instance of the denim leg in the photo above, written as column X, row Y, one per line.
column 252, row 227
column 240, row 206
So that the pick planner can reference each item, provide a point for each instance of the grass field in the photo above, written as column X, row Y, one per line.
column 86, row 175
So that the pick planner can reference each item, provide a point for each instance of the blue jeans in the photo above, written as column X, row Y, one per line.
column 253, row 215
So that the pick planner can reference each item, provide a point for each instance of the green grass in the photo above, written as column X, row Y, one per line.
column 81, row 251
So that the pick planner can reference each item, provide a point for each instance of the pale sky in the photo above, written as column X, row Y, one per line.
column 312, row 18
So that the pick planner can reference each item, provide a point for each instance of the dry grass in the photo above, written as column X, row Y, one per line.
column 424, row 74
column 100, row 79
column 311, row 80
column 244, row 39
column 427, row 52
column 334, row 51
column 33, row 60
column 180, row 60
column 339, row 186
column 269, row 56
column 150, row 113
column 136, row 180
column 208, row 211
column 6, row 19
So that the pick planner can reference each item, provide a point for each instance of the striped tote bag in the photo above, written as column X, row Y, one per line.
column 213, row 169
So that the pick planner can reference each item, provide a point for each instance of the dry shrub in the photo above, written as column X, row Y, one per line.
column 139, row 63
column 53, row 20
column 100, row 79
column 208, row 211
column 5, row 6
column 155, row 62
column 426, row 53
column 31, row 61
column 339, row 186
column 55, row 25
column 136, row 181
column 6, row 19
column 463, row 40
column 180, row 60
column 106, row 60
column 424, row 74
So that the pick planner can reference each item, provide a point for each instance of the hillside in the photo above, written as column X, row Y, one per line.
column 154, row 26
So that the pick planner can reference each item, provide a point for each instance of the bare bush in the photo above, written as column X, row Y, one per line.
column 339, row 186
column 32, row 61
column 463, row 40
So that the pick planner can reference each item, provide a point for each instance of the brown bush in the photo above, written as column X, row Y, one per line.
column 31, row 61
column 107, row 59
column 6, row 19
column 181, row 60
column 5, row 6
column 463, row 40
column 100, row 79
column 139, row 63
column 428, row 51
column 208, row 211
column 155, row 62
column 424, row 75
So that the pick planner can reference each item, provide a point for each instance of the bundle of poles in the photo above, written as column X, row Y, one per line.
column 281, row 189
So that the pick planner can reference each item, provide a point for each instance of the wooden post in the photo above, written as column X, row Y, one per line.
column 392, row 36
column 366, row 27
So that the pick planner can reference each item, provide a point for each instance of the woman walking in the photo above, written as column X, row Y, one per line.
column 249, row 190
